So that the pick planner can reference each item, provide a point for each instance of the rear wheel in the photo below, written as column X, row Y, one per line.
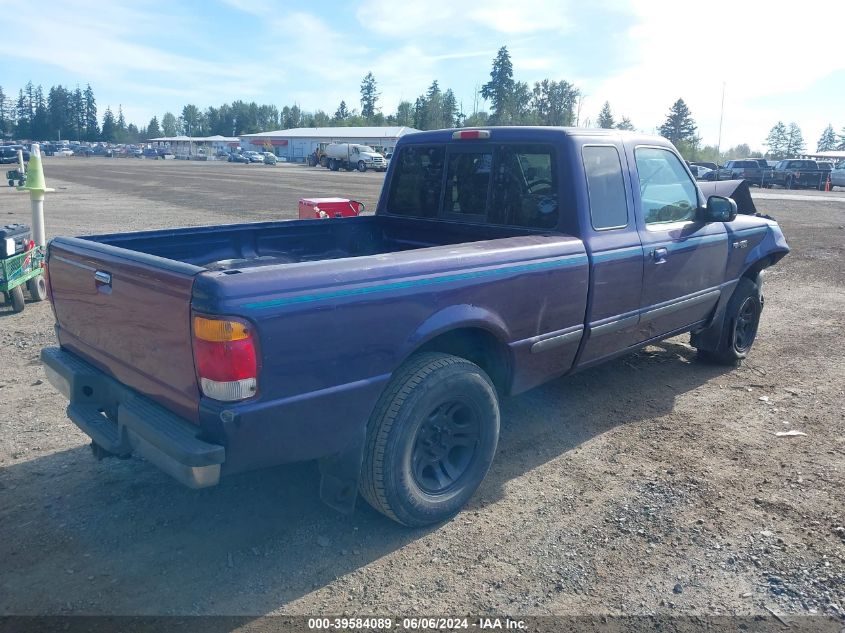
column 16, row 295
column 431, row 439
column 742, row 318
column 37, row 287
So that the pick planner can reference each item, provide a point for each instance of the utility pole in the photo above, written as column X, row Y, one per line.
column 721, row 117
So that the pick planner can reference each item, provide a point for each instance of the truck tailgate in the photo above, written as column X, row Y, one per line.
column 128, row 314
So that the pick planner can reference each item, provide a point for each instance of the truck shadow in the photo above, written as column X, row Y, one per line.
column 118, row 537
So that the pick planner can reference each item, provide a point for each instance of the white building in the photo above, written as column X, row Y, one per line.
column 197, row 147
column 297, row 143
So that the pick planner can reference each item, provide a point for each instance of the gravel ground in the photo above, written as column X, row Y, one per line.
column 654, row 484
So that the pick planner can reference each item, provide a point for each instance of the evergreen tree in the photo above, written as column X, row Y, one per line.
column 5, row 116
column 625, row 124
column 500, row 89
column 841, row 136
column 120, row 125
column 606, row 117
column 433, row 100
column 404, row 114
column 321, row 119
column 450, row 110
column 794, row 141
column 92, row 128
column 153, row 130
column 109, row 131
column 76, row 113
column 40, row 118
column 342, row 112
column 23, row 117
column 191, row 121
column 168, row 125
column 679, row 126
column 776, row 141
column 827, row 141
column 369, row 96
column 58, row 105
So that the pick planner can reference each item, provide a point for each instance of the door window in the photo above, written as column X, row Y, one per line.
column 666, row 191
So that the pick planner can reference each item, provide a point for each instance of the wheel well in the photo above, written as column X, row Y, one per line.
column 478, row 346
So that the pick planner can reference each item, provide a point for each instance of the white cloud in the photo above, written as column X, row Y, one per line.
column 761, row 51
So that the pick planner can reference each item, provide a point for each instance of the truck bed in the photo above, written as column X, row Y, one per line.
column 240, row 246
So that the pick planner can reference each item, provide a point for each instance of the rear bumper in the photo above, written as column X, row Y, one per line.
column 123, row 422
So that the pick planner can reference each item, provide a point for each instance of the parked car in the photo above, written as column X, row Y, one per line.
column 755, row 171
column 254, row 157
column 9, row 154
column 837, row 176
column 799, row 174
column 699, row 172
column 236, row 157
column 706, row 164
column 102, row 150
column 151, row 153
column 83, row 150
column 62, row 151
column 380, row 345
column 270, row 158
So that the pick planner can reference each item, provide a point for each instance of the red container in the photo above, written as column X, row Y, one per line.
column 317, row 208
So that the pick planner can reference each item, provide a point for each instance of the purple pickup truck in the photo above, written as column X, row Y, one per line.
column 497, row 259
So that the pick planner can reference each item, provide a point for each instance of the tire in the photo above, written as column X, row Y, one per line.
column 431, row 439
column 37, row 287
column 742, row 318
column 16, row 295
column 333, row 165
column 362, row 166
column 324, row 161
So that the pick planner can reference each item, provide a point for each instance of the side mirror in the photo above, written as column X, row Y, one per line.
column 718, row 209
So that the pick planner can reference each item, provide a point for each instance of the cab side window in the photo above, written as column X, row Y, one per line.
column 666, row 191
column 605, row 186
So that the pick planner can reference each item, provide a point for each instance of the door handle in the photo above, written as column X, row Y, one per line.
column 103, row 278
column 660, row 255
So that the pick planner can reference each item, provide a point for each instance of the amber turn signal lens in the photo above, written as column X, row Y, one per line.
column 219, row 331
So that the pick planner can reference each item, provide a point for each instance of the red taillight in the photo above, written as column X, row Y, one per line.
column 226, row 359
column 463, row 135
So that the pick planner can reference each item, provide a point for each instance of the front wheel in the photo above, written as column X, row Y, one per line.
column 431, row 439
column 742, row 318
column 362, row 166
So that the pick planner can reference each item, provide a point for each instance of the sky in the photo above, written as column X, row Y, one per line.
column 774, row 60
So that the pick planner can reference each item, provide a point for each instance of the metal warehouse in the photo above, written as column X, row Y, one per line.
column 297, row 143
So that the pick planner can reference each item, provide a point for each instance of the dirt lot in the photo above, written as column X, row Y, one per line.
column 654, row 484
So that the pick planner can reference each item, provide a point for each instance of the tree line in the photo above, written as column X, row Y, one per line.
column 72, row 114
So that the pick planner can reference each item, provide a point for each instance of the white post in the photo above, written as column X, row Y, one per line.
column 21, row 167
column 36, row 196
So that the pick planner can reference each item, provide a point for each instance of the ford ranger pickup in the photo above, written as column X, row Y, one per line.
column 497, row 259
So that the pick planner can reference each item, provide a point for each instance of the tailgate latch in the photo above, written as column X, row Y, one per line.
column 102, row 278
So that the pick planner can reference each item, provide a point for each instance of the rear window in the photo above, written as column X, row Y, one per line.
column 417, row 181
column 511, row 184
